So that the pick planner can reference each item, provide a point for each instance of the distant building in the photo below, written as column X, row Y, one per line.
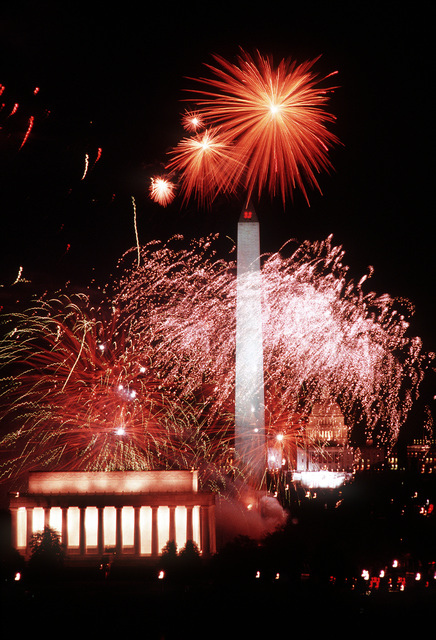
column 326, row 424
column 324, row 458
column 131, row 513
column 393, row 460
column 369, row 457
column 421, row 456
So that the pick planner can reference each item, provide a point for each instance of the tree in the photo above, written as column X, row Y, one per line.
column 190, row 561
column 190, row 551
column 48, row 554
column 168, row 559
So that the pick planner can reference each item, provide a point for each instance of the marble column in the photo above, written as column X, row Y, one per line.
column 65, row 527
column 204, row 530
column 29, row 532
column 154, row 532
column 82, row 532
column 100, row 532
column 14, row 527
column 119, row 532
column 189, row 524
column 172, row 532
column 137, row 532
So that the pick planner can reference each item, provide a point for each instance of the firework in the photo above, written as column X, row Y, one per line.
column 13, row 119
column 207, row 164
column 29, row 129
column 321, row 334
column 85, row 398
column 148, row 382
column 85, row 170
column 275, row 119
column 162, row 191
column 192, row 121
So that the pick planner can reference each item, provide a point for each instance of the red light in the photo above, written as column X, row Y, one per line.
column 247, row 215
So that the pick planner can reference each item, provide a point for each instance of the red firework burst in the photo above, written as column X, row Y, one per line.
column 162, row 191
column 207, row 163
column 275, row 118
column 192, row 121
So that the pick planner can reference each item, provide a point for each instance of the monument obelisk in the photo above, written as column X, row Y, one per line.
column 249, row 381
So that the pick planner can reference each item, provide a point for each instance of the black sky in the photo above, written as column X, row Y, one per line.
column 113, row 77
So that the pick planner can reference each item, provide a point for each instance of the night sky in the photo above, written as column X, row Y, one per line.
column 113, row 78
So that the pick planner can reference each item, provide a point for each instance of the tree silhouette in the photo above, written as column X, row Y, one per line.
column 190, row 561
column 48, row 554
column 168, row 559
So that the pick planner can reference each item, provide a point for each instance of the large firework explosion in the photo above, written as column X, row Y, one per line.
column 147, row 382
column 321, row 334
column 265, row 129
column 78, row 393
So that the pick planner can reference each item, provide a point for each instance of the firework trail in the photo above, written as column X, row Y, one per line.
column 85, row 170
column 136, row 229
column 84, row 398
column 29, row 129
column 321, row 334
column 274, row 124
column 87, row 166
column 13, row 112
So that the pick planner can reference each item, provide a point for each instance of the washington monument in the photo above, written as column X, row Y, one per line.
column 249, row 382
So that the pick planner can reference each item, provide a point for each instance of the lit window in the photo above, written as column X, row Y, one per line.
column 56, row 520
column 91, row 526
column 145, row 527
column 37, row 519
column 196, row 525
column 73, row 526
column 109, row 526
column 163, row 524
column 180, row 526
column 128, row 526
column 22, row 527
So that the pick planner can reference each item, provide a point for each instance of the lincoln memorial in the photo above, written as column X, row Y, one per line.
column 132, row 513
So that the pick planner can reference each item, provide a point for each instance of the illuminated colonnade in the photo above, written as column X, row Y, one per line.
column 132, row 513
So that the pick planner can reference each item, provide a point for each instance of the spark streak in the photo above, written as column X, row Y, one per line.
column 29, row 129
column 136, row 229
column 85, row 171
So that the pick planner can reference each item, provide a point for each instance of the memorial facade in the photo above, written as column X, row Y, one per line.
column 130, row 513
